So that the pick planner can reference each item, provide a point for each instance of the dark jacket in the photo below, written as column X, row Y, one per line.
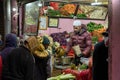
column 83, row 39
column 100, row 63
column 19, row 65
column 41, row 71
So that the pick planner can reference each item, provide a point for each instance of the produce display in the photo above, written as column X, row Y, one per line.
column 63, row 77
column 68, row 9
column 60, row 52
column 53, row 12
column 82, row 15
column 80, row 75
column 96, row 31
column 93, row 26
column 59, row 37
column 59, row 9
column 94, row 12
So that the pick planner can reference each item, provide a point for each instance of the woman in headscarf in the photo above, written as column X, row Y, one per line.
column 10, row 43
column 20, row 62
column 42, row 62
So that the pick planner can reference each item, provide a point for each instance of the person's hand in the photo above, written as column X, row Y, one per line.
column 81, row 55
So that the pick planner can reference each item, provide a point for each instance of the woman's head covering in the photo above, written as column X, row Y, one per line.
column 45, row 40
column 11, row 40
column 32, row 42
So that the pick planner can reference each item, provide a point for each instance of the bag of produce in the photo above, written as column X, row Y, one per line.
column 77, row 50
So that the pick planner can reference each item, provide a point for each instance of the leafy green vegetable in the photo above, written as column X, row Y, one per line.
column 62, row 77
column 93, row 26
column 71, row 15
column 83, row 66
column 81, row 15
column 53, row 12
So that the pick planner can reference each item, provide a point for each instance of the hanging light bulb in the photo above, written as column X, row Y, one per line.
column 40, row 3
column 14, row 9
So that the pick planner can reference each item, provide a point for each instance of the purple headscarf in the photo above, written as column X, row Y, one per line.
column 11, row 40
column 10, row 43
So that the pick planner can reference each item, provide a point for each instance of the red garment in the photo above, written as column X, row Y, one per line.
column 0, row 67
column 80, row 75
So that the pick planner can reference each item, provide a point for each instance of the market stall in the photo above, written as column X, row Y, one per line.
column 54, row 19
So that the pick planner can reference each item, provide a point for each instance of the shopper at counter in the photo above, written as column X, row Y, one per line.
column 19, row 64
column 82, row 38
column 100, row 59
column 42, row 64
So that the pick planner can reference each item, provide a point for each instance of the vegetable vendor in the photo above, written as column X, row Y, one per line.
column 80, row 40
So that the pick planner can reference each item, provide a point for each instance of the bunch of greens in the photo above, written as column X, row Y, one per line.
column 63, row 77
column 83, row 66
column 81, row 15
column 53, row 12
column 93, row 26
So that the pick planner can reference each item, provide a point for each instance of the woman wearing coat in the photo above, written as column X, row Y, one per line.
column 42, row 64
column 10, row 43
column 100, row 59
column 20, row 62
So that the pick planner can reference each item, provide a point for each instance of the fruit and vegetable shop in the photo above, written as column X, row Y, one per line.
column 57, row 20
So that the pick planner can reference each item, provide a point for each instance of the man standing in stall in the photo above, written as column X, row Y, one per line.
column 80, row 41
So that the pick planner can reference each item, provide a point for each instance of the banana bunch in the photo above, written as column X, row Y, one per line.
column 56, row 45
column 60, row 52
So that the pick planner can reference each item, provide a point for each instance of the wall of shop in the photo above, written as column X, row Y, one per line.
column 115, row 40
column 66, row 25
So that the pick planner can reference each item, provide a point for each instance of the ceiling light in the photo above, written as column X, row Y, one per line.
column 40, row 4
column 14, row 9
column 96, row 3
